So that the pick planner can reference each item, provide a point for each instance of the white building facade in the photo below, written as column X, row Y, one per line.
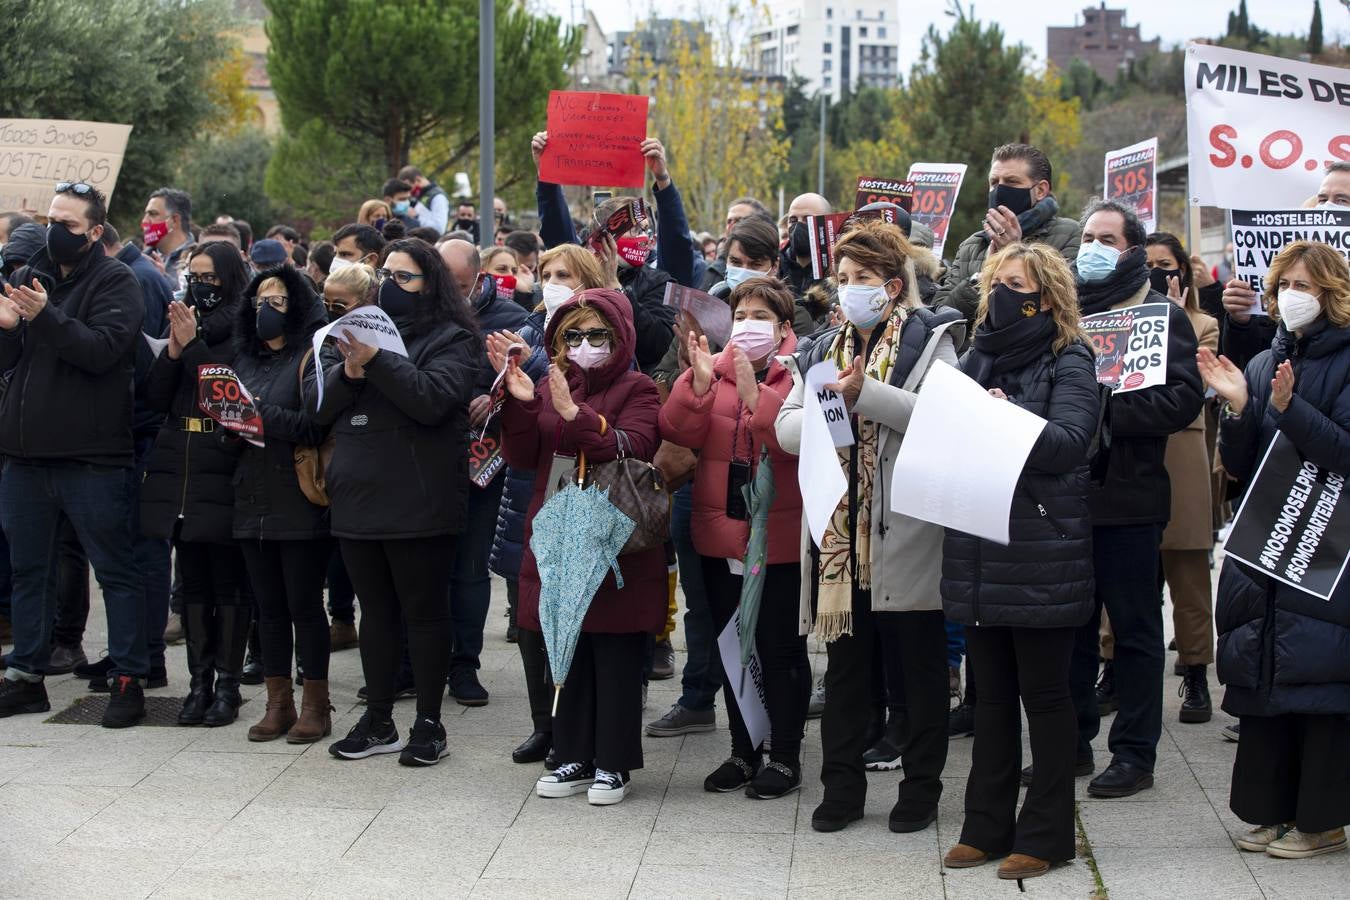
column 833, row 44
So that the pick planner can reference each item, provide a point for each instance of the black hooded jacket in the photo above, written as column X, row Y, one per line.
column 188, row 474
column 268, row 502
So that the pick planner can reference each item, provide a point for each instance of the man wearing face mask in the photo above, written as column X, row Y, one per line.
column 166, row 228
column 355, row 243
column 1021, row 208
column 466, row 220
column 431, row 206
column 398, row 194
column 795, row 263
column 69, row 325
column 1130, row 507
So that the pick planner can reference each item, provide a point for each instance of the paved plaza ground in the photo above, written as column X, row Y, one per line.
column 202, row 813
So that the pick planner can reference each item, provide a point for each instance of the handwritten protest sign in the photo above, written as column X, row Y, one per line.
column 1293, row 524
column 1261, row 129
column 1258, row 237
column 699, row 312
column 1132, row 179
column 369, row 325
column 35, row 154
column 936, row 186
column 884, row 190
column 594, row 139
column 223, row 397
column 1131, row 346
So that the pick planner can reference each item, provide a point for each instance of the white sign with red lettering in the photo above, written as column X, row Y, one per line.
column 1262, row 129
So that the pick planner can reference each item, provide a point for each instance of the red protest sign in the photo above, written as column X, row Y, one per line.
column 884, row 190
column 223, row 397
column 594, row 139
column 936, row 186
column 1132, row 178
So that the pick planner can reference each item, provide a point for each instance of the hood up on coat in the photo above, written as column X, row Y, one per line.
column 305, row 313
column 615, row 308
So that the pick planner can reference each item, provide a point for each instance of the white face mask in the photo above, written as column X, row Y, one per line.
column 863, row 304
column 338, row 264
column 1338, row 206
column 1297, row 309
column 555, row 295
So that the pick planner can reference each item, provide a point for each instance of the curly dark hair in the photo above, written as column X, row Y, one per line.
column 440, row 302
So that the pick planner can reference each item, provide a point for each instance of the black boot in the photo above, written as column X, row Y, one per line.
column 252, row 671
column 198, row 633
column 1194, row 691
column 233, row 635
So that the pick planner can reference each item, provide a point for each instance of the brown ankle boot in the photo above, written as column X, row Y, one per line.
column 280, row 714
column 316, row 719
column 1019, row 865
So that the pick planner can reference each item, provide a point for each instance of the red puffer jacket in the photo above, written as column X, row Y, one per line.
column 532, row 432
column 720, row 427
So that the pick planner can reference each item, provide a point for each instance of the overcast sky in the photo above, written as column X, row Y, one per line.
column 1172, row 20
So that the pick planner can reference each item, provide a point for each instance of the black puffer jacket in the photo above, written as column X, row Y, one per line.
column 645, row 288
column 400, row 466
column 268, row 503
column 1282, row 650
column 1043, row 577
column 189, row 474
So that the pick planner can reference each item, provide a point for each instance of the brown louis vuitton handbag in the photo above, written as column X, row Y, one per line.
column 636, row 488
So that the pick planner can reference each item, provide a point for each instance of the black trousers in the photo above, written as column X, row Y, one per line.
column 600, row 709
column 1016, row 667
column 341, row 597
column 403, row 582
column 1292, row 768
column 287, row 578
column 782, row 655
column 534, row 660
column 919, row 640
column 213, row 580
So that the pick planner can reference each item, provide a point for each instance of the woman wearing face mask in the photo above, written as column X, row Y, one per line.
column 1282, row 650
column 348, row 287
column 397, row 484
column 880, row 572
column 187, row 495
column 1189, row 537
column 283, row 536
column 725, row 407
column 375, row 213
column 563, row 271
column 1021, row 602
column 591, row 392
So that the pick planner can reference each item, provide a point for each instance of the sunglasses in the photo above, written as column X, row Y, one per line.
column 73, row 187
column 337, row 306
column 400, row 276
column 596, row 337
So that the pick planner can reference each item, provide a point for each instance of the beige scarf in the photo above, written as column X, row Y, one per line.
column 841, row 547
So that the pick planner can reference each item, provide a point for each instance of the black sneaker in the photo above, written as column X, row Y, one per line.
column 22, row 697
column 1194, row 693
column 367, row 739
column 731, row 775
column 426, row 745
column 464, row 687
column 567, row 780
column 775, row 780
column 1230, row 732
column 1107, row 701
column 99, row 670
column 402, row 692
column 126, row 706
column 961, row 721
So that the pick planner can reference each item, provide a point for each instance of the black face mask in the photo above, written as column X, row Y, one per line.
column 204, row 296
column 64, row 247
column 799, row 240
column 395, row 301
column 1018, row 200
column 1157, row 277
column 1007, row 306
column 271, row 322
column 464, row 224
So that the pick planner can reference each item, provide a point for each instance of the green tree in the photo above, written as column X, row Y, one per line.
column 225, row 175
column 401, row 72
column 1315, row 30
column 146, row 63
column 321, row 177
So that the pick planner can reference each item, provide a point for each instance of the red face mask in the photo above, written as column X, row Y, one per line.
column 634, row 250
column 153, row 232
column 506, row 285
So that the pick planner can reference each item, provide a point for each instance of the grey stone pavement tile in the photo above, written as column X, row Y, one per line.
column 193, row 813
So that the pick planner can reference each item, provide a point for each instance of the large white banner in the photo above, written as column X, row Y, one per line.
column 1261, row 129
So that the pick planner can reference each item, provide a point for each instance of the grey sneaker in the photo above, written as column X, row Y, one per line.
column 173, row 629
column 816, row 708
column 1259, row 838
column 682, row 721
column 64, row 660
column 1302, row 844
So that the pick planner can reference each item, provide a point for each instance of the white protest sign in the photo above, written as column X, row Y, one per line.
column 1258, row 237
column 983, row 443
column 746, row 682
column 1130, row 345
column 36, row 154
column 831, row 404
column 819, row 472
column 936, row 186
column 1132, row 178
column 1261, row 129
column 369, row 325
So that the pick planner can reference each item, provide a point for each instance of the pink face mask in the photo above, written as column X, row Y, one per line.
column 757, row 338
column 588, row 357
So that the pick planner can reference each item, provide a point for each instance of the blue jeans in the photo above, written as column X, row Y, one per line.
column 100, row 504
column 702, row 677
column 1126, row 562
column 956, row 644
column 471, row 583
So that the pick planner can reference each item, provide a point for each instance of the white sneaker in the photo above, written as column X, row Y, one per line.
column 609, row 788
column 567, row 780
column 1259, row 838
column 1303, row 844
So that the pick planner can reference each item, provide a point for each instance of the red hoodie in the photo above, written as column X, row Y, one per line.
column 531, row 432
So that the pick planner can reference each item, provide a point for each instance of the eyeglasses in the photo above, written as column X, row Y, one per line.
column 74, row 187
column 205, row 278
column 400, row 276
column 596, row 337
column 276, row 301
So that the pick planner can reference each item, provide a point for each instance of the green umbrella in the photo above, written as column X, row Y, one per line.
column 759, row 494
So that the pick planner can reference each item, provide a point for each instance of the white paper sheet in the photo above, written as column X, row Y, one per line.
column 746, row 683
column 831, row 403
column 819, row 473
column 369, row 325
column 157, row 345
column 962, row 456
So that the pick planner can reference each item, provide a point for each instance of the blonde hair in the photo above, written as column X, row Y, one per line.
column 485, row 257
column 882, row 248
column 570, row 319
column 269, row 283
column 358, row 278
column 367, row 214
column 1326, row 268
column 1048, row 269
column 581, row 261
